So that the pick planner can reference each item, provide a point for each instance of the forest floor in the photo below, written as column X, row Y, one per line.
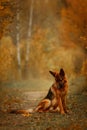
column 12, row 97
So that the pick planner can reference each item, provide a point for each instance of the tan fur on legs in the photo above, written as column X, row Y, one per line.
column 43, row 105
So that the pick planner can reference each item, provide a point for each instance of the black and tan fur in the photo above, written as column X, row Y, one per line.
column 55, row 98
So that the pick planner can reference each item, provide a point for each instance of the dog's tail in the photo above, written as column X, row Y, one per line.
column 24, row 112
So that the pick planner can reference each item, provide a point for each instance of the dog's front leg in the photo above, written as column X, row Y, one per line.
column 60, row 105
column 64, row 103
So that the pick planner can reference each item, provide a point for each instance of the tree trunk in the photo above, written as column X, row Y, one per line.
column 18, row 45
column 29, row 38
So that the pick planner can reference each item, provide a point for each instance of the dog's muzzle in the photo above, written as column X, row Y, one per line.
column 60, row 85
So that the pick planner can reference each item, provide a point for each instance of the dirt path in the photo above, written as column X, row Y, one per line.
column 76, row 120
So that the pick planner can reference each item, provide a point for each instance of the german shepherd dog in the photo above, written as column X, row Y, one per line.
column 55, row 99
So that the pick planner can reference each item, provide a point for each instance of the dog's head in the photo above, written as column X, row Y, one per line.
column 59, row 77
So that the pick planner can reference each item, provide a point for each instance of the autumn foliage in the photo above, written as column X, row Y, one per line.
column 59, row 38
column 7, row 65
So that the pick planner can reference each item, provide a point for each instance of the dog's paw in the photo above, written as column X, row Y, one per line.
column 62, row 112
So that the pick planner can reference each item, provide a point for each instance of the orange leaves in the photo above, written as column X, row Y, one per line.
column 40, row 34
column 74, row 21
column 6, row 59
column 63, row 12
column 1, row 7
column 6, row 15
column 84, row 68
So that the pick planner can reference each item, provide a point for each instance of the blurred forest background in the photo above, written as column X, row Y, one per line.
column 37, row 36
column 41, row 35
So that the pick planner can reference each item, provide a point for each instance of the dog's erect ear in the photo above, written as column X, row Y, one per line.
column 62, row 73
column 53, row 73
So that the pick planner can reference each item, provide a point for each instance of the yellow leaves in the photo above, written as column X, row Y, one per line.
column 63, row 12
column 6, row 59
column 83, row 38
column 26, row 114
column 84, row 68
